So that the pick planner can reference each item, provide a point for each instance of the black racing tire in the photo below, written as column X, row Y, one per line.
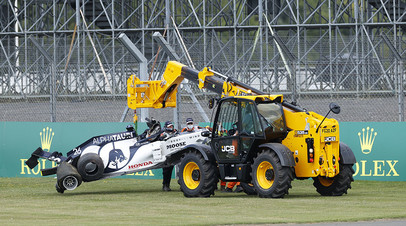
column 248, row 188
column 68, row 177
column 58, row 189
column 337, row 185
column 270, row 178
column 70, row 182
column 90, row 167
column 197, row 177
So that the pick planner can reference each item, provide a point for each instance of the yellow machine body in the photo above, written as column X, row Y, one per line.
column 155, row 94
column 301, row 125
column 326, row 154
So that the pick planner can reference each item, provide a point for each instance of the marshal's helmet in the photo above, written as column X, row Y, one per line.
column 189, row 123
column 168, row 126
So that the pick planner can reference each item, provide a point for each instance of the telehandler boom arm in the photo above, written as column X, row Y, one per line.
column 162, row 93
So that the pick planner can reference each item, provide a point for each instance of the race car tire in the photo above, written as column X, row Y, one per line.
column 59, row 189
column 68, row 177
column 90, row 167
column 70, row 182
column 197, row 176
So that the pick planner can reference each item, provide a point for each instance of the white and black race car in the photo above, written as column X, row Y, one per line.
column 119, row 154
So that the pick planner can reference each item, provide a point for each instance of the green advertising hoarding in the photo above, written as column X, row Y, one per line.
column 378, row 147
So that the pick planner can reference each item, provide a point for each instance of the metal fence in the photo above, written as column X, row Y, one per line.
column 55, row 71
column 367, row 88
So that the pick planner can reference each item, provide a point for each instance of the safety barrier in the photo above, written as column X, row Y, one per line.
column 378, row 146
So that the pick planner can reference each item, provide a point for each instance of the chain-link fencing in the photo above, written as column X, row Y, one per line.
column 70, row 86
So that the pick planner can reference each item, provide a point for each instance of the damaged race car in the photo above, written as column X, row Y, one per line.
column 118, row 154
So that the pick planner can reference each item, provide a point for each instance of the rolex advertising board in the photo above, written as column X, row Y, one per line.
column 378, row 146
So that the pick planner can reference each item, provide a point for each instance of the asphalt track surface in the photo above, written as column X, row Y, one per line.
column 391, row 222
column 383, row 222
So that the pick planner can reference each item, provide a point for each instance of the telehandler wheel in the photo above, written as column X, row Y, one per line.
column 337, row 185
column 248, row 188
column 197, row 177
column 270, row 178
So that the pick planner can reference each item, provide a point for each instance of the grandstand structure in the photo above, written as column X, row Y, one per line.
column 312, row 51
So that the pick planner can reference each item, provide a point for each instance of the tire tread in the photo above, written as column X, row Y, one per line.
column 282, row 183
column 210, row 179
column 341, row 184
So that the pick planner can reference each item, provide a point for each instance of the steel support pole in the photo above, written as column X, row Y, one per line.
column 401, row 93
column 172, row 54
column 399, row 72
column 261, row 66
column 52, row 80
column 136, row 53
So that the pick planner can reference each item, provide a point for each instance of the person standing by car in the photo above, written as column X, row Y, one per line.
column 168, row 132
column 190, row 127
column 230, row 186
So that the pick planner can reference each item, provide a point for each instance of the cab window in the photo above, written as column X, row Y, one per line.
column 227, row 122
column 271, row 115
column 250, row 123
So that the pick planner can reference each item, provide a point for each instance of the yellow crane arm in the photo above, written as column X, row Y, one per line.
column 155, row 94
column 162, row 93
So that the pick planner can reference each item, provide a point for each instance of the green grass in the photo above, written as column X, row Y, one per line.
column 130, row 201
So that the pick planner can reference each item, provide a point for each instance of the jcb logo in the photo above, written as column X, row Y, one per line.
column 329, row 139
column 228, row 149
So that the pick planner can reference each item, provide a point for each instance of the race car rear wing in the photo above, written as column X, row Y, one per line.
column 39, row 153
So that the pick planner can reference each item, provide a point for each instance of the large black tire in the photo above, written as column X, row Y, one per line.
column 90, row 167
column 68, row 177
column 248, row 188
column 270, row 178
column 197, row 177
column 336, row 186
